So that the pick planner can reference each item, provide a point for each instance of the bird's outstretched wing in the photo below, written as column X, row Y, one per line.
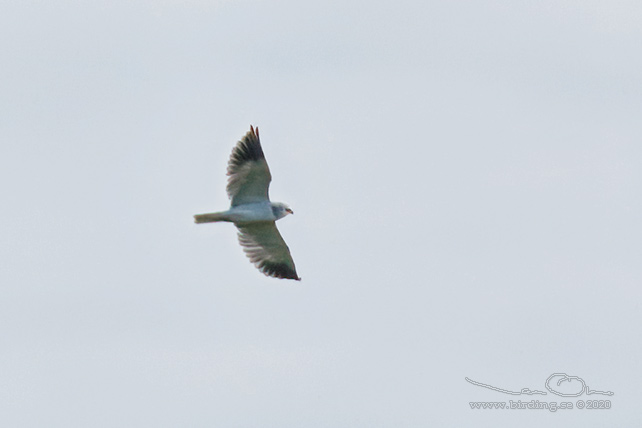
column 249, row 175
column 265, row 247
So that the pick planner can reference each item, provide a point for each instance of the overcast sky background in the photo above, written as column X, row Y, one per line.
column 466, row 178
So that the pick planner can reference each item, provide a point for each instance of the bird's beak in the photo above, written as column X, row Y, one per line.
column 288, row 210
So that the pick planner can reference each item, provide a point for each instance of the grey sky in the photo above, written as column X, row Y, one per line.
column 466, row 181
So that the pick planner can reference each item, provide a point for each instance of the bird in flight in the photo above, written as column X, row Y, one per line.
column 251, row 210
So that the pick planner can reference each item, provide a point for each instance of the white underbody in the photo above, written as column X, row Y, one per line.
column 248, row 213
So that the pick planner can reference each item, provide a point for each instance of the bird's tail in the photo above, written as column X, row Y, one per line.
column 210, row 218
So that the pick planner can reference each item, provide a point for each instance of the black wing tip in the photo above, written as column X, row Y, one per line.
column 294, row 276
column 247, row 149
column 278, row 270
column 289, row 275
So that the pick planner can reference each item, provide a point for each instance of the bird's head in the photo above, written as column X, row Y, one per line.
column 280, row 210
